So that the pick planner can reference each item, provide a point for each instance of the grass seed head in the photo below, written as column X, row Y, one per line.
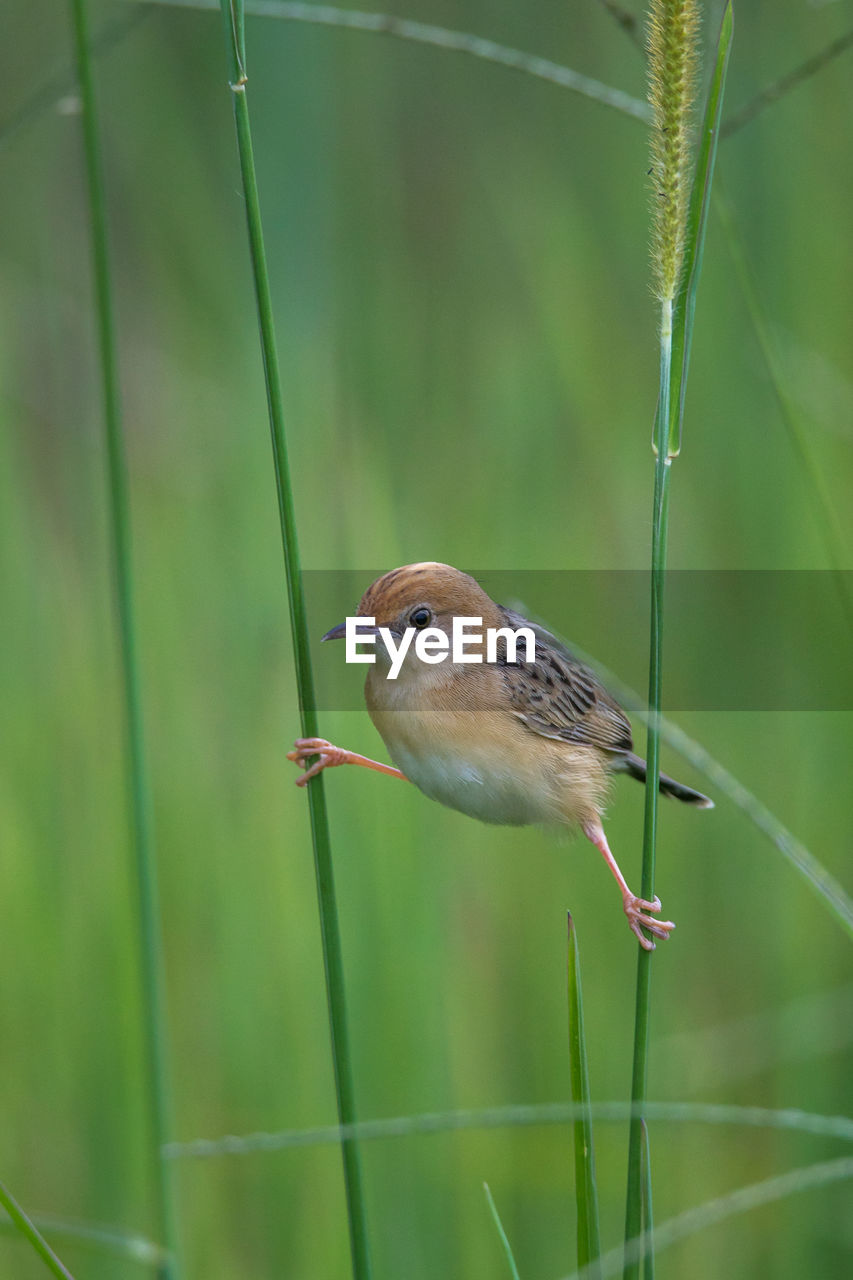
column 672, row 39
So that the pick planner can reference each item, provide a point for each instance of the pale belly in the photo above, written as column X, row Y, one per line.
column 469, row 786
column 488, row 766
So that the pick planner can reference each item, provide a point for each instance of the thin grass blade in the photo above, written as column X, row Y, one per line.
column 507, row 1248
column 387, row 24
column 697, row 218
column 518, row 1116
column 29, row 1230
column 586, row 1189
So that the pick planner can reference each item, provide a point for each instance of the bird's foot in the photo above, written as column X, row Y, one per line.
column 327, row 756
column 635, row 909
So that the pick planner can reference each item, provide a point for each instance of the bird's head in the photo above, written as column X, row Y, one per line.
column 421, row 596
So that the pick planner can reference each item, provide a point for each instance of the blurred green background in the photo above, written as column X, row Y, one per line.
column 459, row 263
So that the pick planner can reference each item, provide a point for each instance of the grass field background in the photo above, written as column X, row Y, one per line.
column 459, row 262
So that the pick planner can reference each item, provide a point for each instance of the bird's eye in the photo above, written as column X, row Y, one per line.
column 420, row 618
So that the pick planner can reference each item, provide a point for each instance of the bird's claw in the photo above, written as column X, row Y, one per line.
column 635, row 909
column 327, row 756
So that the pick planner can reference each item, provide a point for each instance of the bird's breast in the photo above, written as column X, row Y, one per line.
column 463, row 746
column 472, row 761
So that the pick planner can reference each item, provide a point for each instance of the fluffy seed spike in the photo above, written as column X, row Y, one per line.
column 672, row 40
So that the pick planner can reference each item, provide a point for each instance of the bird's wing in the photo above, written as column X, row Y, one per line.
column 558, row 697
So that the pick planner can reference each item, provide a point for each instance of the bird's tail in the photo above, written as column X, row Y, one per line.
column 668, row 786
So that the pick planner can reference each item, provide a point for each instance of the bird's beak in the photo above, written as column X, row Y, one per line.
column 339, row 632
column 336, row 633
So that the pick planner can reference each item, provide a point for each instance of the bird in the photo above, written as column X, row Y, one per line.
column 507, row 741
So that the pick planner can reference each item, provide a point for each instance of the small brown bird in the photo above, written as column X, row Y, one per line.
column 484, row 730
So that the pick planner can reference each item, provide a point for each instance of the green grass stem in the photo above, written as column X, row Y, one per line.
column 639, row 1072
column 30, row 1231
column 331, row 941
column 676, row 304
column 504, row 1238
column 142, row 835
column 648, row 1215
column 586, row 1188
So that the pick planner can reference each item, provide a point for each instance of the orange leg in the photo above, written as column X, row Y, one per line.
column 634, row 906
column 328, row 756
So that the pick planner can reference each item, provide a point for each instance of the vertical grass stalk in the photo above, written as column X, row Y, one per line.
column 678, row 243
column 586, row 1189
column 639, row 1076
column 673, row 27
column 648, row 1216
column 30, row 1231
column 142, row 837
column 232, row 12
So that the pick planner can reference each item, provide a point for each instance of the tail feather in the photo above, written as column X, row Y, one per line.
column 668, row 786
